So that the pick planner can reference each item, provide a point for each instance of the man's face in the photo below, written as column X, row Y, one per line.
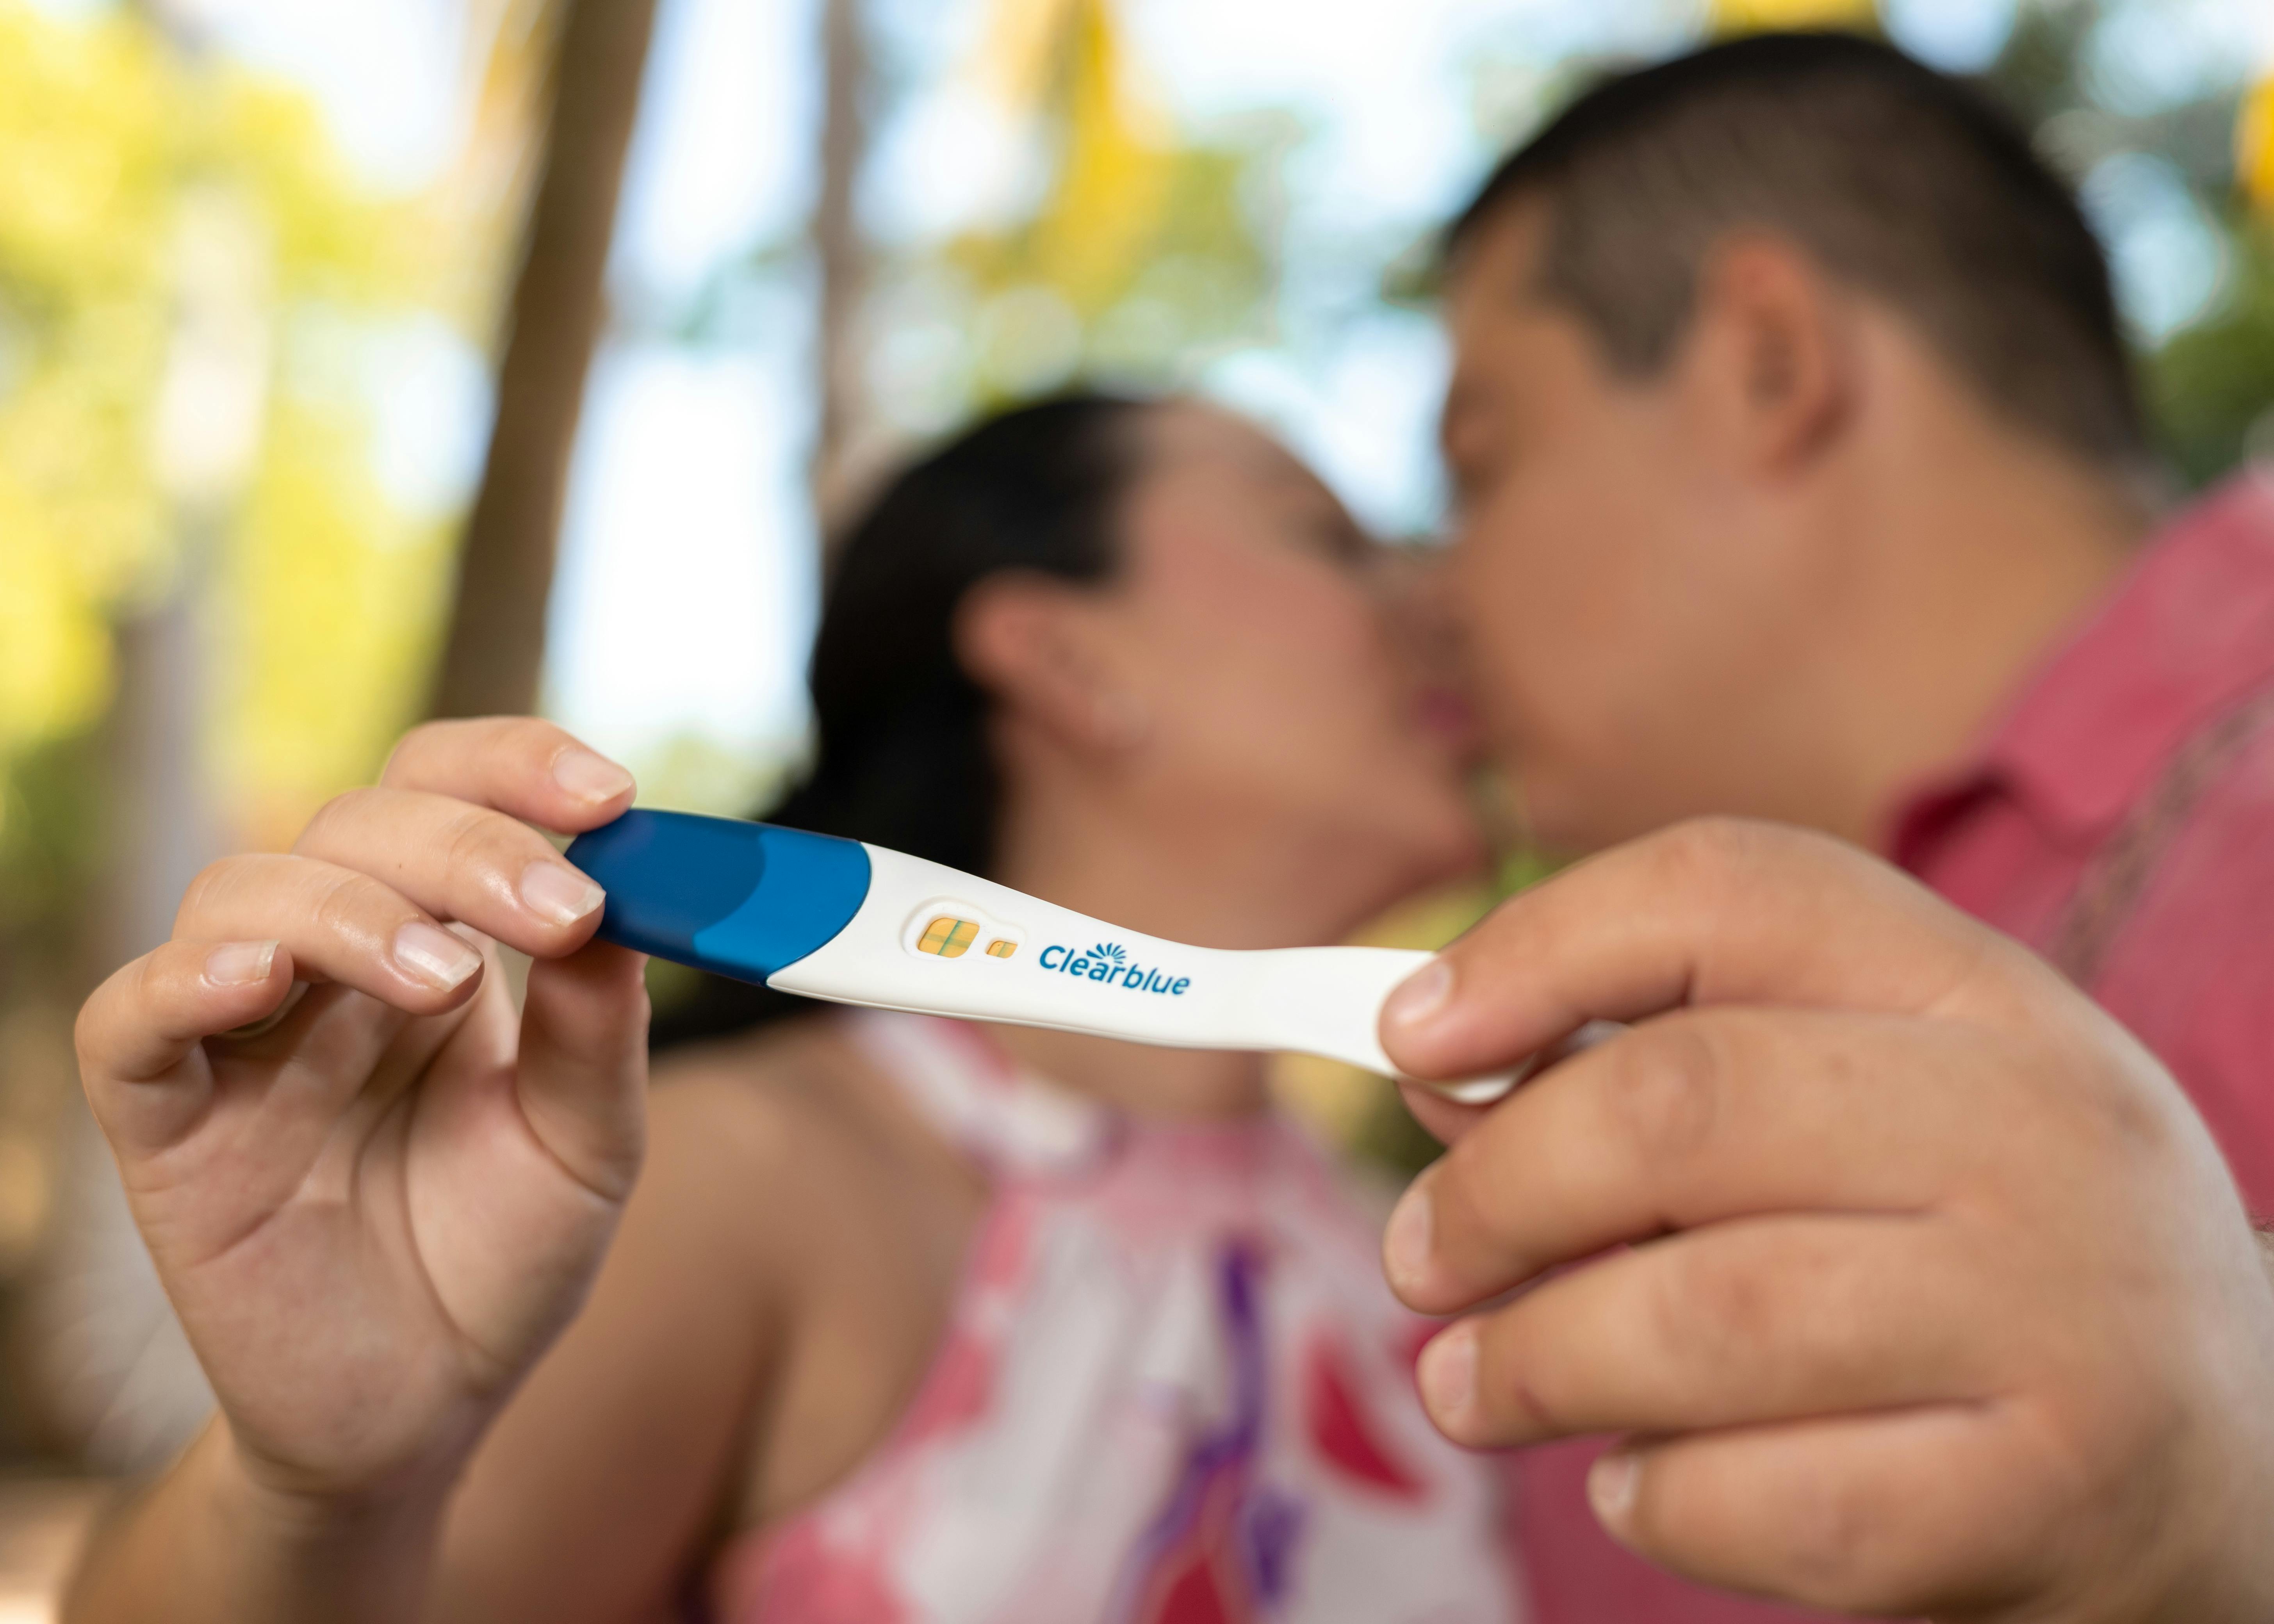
column 1633, row 605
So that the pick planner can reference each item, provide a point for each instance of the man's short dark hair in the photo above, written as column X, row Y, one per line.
column 1908, row 184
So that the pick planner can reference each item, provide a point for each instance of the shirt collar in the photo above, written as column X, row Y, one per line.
column 2188, row 631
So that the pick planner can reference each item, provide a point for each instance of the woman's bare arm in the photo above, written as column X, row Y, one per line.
column 605, row 1475
column 775, row 1220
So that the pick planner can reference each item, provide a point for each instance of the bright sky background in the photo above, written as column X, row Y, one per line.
column 687, row 584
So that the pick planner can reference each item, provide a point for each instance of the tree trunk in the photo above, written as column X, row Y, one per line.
column 842, row 256
column 495, row 649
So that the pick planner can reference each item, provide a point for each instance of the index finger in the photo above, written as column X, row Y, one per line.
column 1713, row 911
column 1694, row 1119
column 520, row 765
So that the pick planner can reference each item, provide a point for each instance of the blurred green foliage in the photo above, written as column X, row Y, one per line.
column 2211, row 385
column 50, row 825
column 2207, row 384
column 1148, row 249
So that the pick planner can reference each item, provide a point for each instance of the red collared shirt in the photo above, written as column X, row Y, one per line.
column 2185, row 643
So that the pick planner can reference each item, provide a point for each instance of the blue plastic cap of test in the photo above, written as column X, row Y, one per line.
column 736, row 898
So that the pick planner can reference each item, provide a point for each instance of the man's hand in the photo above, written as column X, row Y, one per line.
column 1915, row 1281
column 374, row 1214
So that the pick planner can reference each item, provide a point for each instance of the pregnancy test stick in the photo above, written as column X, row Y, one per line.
column 855, row 923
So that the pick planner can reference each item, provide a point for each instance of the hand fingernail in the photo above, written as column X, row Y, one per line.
column 589, row 776
column 240, row 964
column 1420, row 997
column 554, row 891
column 1612, row 1482
column 434, row 956
column 1406, row 1243
column 1447, row 1375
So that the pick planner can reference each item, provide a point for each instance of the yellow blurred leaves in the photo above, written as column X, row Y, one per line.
column 54, row 650
column 2253, row 144
column 1140, row 245
column 84, row 152
column 1755, row 16
column 109, row 142
column 334, row 597
column 1018, row 61
column 82, row 186
column 1115, row 167
column 101, row 127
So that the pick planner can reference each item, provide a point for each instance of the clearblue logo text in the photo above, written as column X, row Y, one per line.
column 1110, row 962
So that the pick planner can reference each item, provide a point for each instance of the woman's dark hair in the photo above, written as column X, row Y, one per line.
column 903, row 758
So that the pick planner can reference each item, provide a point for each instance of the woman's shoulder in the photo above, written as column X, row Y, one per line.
column 766, row 1110
column 751, row 1080
column 853, row 1212
column 791, row 1120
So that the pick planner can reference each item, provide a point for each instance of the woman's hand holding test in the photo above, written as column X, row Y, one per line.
column 374, row 1214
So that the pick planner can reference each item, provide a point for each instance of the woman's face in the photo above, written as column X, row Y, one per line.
column 1272, row 664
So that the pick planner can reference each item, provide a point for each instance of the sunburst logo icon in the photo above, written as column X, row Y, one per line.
column 1113, row 952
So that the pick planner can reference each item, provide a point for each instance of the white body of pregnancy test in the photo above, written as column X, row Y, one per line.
column 855, row 923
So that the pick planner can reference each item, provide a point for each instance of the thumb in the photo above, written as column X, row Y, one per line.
column 583, row 1071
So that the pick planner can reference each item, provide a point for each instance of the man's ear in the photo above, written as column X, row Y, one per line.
column 1036, row 645
column 1772, row 346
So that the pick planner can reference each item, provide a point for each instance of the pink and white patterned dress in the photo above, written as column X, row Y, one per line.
column 1173, row 1389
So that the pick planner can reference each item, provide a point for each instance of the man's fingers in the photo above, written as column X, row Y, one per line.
column 340, row 926
column 140, row 1023
column 1689, row 1119
column 1446, row 1120
column 1717, row 910
column 1759, row 1321
column 1854, row 1513
column 460, row 862
column 515, row 764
